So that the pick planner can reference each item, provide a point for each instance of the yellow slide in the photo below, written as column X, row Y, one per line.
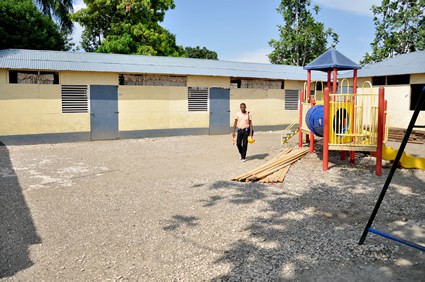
column 406, row 161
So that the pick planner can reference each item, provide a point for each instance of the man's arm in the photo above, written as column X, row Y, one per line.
column 250, row 128
column 234, row 127
column 250, row 125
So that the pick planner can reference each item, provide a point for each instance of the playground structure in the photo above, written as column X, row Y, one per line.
column 347, row 120
column 353, row 122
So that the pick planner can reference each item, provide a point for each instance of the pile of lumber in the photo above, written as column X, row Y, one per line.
column 274, row 170
column 397, row 135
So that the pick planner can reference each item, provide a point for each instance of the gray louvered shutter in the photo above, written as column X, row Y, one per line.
column 74, row 99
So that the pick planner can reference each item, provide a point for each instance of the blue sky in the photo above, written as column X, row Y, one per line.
column 239, row 30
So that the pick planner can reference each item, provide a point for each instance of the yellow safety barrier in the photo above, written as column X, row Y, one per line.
column 317, row 93
column 353, row 119
column 341, row 119
column 305, row 108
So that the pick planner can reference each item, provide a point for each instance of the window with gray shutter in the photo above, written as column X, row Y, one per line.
column 74, row 99
column 291, row 99
column 198, row 99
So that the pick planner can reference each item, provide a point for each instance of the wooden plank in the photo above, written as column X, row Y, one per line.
column 276, row 169
column 275, row 177
column 352, row 148
column 397, row 135
column 269, row 179
column 289, row 159
column 283, row 173
column 263, row 167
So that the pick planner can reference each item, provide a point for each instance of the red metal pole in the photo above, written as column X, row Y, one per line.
column 381, row 120
column 353, row 153
column 326, row 130
column 300, row 121
column 311, row 133
column 385, row 118
column 311, row 142
column 309, row 86
column 355, row 81
column 334, row 86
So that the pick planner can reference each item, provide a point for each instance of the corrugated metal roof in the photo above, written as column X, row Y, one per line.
column 409, row 63
column 117, row 63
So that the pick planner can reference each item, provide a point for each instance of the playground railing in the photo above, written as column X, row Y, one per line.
column 305, row 107
column 353, row 121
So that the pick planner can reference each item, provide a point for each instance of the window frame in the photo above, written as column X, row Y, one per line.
column 14, row 74
column 289, row 104
column 77, row 99
column 399, row 79
column 415, row 92
column 149, row 80
column 198, row 99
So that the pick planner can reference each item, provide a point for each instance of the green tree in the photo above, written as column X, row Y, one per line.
column 302, row 39
column 400, row 28
column 22, row 26
column 59, row 10
column 199, row 53
column 127, row 27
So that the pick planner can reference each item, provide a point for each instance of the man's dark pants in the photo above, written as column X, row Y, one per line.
column 242, row 142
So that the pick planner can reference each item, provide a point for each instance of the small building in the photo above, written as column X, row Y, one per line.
column 54, row 96
column 403, row 78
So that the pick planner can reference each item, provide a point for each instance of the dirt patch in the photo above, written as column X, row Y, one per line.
column 164, row 209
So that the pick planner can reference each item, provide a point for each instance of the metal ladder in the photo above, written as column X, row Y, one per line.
column 289, row 132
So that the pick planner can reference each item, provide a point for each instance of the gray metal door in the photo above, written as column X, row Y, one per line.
column 104, row 112
column 219, row 111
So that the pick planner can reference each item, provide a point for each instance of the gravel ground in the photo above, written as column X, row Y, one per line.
column 164, row 209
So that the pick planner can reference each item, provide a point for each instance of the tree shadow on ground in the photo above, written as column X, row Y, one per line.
column 312, row 233
column 320, row 228
column 181, row 220
column 17, row 230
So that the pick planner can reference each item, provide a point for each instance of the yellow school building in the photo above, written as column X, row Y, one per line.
column 54, row 96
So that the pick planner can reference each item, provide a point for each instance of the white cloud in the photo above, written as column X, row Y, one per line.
column 76, row 34
column 78, row 29
column 78, row 5
column 257, row 56
column 359, row 7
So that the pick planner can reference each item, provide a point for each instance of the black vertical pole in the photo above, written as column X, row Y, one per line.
column 418, row 108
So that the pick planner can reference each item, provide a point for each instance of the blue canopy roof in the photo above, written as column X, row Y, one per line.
column 332, row 59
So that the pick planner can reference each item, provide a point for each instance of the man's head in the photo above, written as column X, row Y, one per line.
column 243, row 107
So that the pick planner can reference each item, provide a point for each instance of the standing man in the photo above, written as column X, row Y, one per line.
column 243, row 121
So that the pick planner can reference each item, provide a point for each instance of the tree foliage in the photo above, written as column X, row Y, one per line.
column 400, row 28
column 22, row 26
column 127, row 27
column 199, row 53
column 59, row 10
column 302, row 39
